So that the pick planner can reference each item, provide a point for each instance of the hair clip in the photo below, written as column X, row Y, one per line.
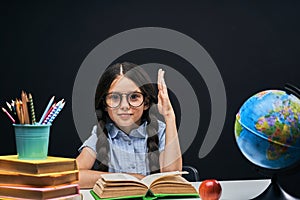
column 121, row 69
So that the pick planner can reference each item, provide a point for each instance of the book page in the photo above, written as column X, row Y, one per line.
column 178, row 180
column 117, row 177
column 172, row 185
column 117, row 184
column 153, row 177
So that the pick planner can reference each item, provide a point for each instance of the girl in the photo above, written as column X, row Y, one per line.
column 129, row 138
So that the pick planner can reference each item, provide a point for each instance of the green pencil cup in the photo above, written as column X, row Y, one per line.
column 32, row 141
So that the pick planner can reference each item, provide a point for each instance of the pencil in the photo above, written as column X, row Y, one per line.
column 9, row 106
column 60, row 107
column 10, row 117
column 18, row 110
column 24, row 107
column 46, row 110
column 22, row 120
column 13, row 106
column 10, row 110
column 31, row 107
column 51, row 113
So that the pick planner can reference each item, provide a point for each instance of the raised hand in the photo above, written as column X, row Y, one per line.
column 170, row 159
column 164, row 105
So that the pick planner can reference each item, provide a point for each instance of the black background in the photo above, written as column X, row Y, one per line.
column 255, row 46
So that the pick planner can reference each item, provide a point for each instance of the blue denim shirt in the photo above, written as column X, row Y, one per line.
column 127, row 152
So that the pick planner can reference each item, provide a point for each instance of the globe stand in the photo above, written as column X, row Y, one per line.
column 274, row 191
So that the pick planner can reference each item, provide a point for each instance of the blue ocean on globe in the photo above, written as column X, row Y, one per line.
column 267, row 129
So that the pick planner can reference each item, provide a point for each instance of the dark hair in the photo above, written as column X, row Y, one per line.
column 142, row 80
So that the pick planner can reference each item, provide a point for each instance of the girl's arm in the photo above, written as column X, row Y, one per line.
column 85, row 161
column 170, row 159
column 88, row 177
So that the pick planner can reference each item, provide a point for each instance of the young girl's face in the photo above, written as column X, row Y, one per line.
column 125, row 116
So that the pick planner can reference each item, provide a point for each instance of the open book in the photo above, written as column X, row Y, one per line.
column 121, row 186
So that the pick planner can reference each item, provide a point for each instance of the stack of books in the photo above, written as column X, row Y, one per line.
column 51, row 178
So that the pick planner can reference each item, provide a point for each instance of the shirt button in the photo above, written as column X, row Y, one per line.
column 133, row 167
column 129, row 143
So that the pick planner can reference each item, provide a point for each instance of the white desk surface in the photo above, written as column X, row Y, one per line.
column 231, row 190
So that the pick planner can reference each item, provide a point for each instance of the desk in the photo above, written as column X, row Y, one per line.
column 231, row 190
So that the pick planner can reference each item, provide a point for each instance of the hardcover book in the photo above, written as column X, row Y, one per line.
column 59, row 191
column 160, row 185
column 49, row 165
column 47, row 179
column 51, row 178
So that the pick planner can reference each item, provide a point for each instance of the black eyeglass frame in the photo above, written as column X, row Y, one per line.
column 121, row 98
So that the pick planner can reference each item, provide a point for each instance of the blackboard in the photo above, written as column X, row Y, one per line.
column 255, row 46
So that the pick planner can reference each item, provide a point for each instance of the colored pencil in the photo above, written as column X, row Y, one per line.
column 22, row 110
column 50, row 110
column 56, row 113
column 10, row 117
column 53, row 111
column 13, row 106
column 31, row 107
column 9, row 106
column 46, row 110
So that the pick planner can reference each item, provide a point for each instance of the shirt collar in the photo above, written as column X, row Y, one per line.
column 139, row 132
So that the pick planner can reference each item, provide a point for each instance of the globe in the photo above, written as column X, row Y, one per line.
column 267, row 132
column 267, row 129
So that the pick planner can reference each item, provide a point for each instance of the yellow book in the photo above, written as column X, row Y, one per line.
column 45, row 179
column 22, row 192
column 51, row 164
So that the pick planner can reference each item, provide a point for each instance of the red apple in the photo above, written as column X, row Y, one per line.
column 210, row 189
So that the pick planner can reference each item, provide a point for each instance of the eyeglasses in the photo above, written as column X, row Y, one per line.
column 134, row 99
